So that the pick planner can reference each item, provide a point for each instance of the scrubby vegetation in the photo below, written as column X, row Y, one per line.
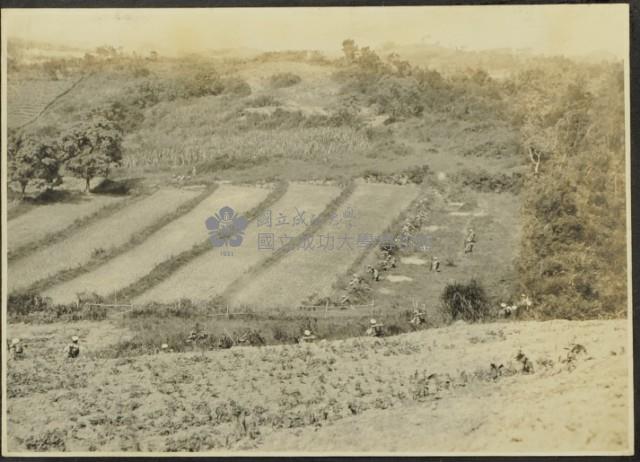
column 468, row 301
column 551, row 133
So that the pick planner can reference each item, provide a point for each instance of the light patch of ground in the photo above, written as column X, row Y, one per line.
column 468, row 214
column 413, row 260
column 347, row 396
column 398, row 278
column 384, row 290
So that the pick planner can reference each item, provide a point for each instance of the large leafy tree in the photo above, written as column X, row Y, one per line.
column 33, row 161
column 92, row 149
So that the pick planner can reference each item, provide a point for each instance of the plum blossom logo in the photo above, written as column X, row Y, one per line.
column 226, row 228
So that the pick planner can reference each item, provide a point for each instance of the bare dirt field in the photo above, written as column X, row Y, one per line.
column 179, row 235
column 428, row 391
column 209, row 274
column 103, row 234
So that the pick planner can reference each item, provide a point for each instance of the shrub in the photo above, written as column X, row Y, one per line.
column 284, row 79
column 263, row 101
column 465, row 301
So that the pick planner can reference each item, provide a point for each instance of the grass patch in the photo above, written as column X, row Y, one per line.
column 102, row 257
column 53, row 238
column 281, row 252
column 169, row 266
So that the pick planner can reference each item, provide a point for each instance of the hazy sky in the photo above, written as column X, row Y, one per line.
column 557, row 29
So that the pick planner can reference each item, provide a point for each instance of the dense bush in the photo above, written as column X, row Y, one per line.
column 468, row 301
column 31, row 307
column 573, row 252
column 483, row 181
column 284, row 79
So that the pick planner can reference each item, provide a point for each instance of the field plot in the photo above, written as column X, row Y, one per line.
column 51, row 218
column 27, row 98
column 178, row 236
column 209, row 274
column 103, row 234
column 313, row 270
column 431, row 390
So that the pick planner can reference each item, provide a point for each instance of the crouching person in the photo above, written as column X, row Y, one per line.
column 375, row 329
column 16, row 350
column 73, row 349
column 307, row 337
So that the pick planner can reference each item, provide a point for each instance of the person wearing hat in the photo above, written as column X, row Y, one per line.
column 307, row 337
column 417, row 318
column 435, row 264
column 16, row 350
column 73, row 350
column 375, row 329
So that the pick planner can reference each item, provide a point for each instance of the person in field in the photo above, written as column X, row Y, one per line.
column 307, row 337
column 375, row 274
column 435, row 264
column 417, row 318
column 16, row 350
column 469, row 241
column 375, row 329
column 73, row 349
column 355, row 281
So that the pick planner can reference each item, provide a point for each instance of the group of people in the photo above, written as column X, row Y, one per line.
column 374, row 329
column 17, row 348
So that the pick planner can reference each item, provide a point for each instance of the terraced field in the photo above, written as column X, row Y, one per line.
column 210, row 274
column 170, row 240
column 105, row 234
column 51, row 218
column 28, row 98
column 313, row 268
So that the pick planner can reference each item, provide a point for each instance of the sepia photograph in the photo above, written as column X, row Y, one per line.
column 371, row 230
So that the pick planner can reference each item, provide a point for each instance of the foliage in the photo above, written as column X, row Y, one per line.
column 33, row 161
column 483, row 181
column 92, row 149
column 468, row 301
column 284, row 79
column 573, row 253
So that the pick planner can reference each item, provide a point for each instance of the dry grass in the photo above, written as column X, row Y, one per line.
column 260, row 398
column 26, row 99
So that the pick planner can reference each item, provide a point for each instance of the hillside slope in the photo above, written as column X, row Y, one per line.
column 354, row 395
